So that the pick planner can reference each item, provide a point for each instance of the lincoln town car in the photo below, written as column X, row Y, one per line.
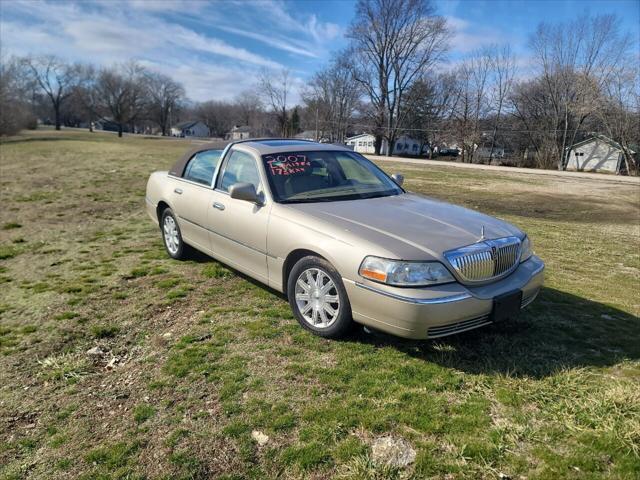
column 343, row 240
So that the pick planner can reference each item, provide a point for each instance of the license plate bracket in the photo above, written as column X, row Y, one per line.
column 506, row 306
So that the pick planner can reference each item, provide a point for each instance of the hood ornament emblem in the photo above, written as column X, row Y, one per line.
column 482, row 237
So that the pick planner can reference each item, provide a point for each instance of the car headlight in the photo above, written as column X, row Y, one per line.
column 404, row 274
column 526, row 249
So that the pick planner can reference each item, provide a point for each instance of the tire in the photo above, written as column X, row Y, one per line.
column 313, row 306
column 171, row 236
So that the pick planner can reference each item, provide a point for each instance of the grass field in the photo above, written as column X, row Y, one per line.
column 193, row 357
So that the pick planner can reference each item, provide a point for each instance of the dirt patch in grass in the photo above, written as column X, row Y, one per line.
column 118, row 362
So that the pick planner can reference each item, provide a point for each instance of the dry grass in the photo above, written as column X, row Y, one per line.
column 194, row 357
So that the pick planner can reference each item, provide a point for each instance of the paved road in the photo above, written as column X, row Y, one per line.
column 600, row 177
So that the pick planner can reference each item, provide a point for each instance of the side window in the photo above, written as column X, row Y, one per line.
column 241, row 167
column 201, row 167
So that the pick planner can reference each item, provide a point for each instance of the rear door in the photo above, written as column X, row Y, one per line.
column 192, row 195
column 239, row 228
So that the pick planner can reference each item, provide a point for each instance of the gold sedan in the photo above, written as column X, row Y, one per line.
column 343, row 240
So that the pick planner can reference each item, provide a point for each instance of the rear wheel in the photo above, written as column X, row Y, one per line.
column 171, row 236
column 318, row 298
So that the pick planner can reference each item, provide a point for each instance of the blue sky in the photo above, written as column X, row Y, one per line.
column 217, row 49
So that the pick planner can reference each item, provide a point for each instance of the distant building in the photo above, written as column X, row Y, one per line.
column 239, row 132
column 364, row 143
column 596, row 154
column 405, row 145
column 190, row 129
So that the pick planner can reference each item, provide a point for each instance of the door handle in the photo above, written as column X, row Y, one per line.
column 218, row 205
column 178, row 191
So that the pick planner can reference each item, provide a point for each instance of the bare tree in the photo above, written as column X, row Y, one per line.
column 620, row 111
column 122, row 93
column 428, row 106
column 471, row 102
column 503, row 69
column 275, row 87
column 250, row 111
column 15, row 87
column 85, row 94
column 219, row 116
column 56, row 79
column 393, row 43
column 332, row 96
column 165, row 97
column 575, row 60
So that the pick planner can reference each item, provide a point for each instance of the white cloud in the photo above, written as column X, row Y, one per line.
column 181, row 38
column 281, row 43
column 469, row 36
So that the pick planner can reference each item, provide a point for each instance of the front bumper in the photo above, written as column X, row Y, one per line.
column 441, row 310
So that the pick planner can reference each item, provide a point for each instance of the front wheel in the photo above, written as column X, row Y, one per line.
column 318, row 298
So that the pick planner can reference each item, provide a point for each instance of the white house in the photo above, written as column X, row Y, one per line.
column 405, row 145
column 596, row 154
column 190, row 129
column 364, row 143
column 239, row 132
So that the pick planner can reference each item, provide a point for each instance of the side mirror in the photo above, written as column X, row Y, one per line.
column 398, row 178
column 244, row 191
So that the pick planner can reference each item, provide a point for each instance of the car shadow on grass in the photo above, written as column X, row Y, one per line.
column 558, row 331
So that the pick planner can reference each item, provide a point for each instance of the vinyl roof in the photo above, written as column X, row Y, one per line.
column 261, row 146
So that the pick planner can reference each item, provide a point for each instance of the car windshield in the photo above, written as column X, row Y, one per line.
column 324, row 176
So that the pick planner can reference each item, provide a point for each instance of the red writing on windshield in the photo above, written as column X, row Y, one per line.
column 287, row 164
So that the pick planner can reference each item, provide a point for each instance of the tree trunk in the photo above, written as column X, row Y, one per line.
column 56, row 110
column 561, row 163
column 495, row 131
column 119, row 130
column 377, row 144
column 391, row 141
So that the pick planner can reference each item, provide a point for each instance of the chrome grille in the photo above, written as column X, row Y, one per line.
column 485, row 260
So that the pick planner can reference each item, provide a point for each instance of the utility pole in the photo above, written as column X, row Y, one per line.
column 316, row 120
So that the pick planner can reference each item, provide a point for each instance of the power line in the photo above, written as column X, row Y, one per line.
column 428, row 130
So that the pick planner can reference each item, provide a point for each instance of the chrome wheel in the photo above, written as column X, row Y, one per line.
column 171, row 236
column 317, row 298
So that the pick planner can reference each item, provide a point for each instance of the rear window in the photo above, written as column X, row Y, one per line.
column 201, row 167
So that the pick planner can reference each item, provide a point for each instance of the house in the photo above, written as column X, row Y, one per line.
column 190, row 129
column 239, row 132
column 364, row 143
column 596, row 154
column 405, row 145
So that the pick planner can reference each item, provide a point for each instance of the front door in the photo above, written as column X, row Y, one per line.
column 238, row 229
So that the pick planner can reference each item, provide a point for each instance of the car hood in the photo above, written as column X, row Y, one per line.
column 407, row 226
